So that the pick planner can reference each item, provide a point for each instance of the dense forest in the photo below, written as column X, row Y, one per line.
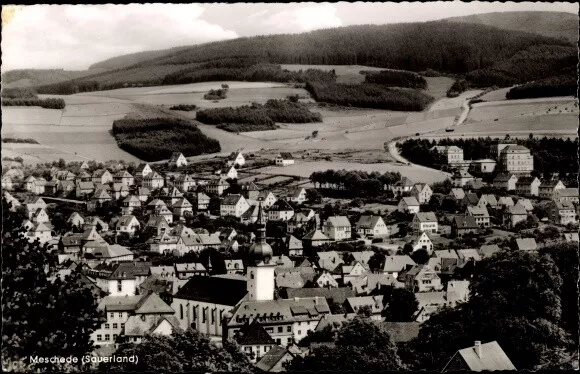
column 561, row 85
column 494, row 56
column 156, row 139
column 395, row 78
column 551, row 155
column 369, row 96
column 257, row 116
column 535, row 62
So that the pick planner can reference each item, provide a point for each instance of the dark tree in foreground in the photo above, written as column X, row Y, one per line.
column 361, row 345
column 181, row 352
column 41, row 317
column 402, row 306
column 515, row 300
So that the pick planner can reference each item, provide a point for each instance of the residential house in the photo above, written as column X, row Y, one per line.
column 75, row 219
column 505, row 201
column 470, row 199
column 236, row 158
column 513, row 215
column 202, row 201
column 268, row 198
column 157, row 225
column 461, row 225
column 526, row 203
column 401, row 186
column 372, row 226
column 102, row 176
column 426, row 221
column 124, row 177
column 232, row 173
column 40, row 231
column 185, row 182
column 300, row 219
column 40, row 216
column 127, row 224
column 460, row 178
column 562, row 213
column 182, row 208
column 217, row 186
column 142, row 171
column 329, row 260
column 153, row 181
column 254, row 341
column 526, row 244
column 67, row 187
column 284, row 159
column 528, row 186
column 233, row 205
column 421, row 278
column 188, row 270
column 326, row 279
column 408, row 205
column 296, row 195
column 315, row 238
column 129, row 204
column 457, row 193
column 143, row 194
column 421, row 240
column 548, row 188
column 422, row 192
column 120, row 191
column 488, row 200
column 280, row 211
column 294, row 246
column 348, row 273
column 506, row 181
column 429, row 303
column 250, row 191
column 274, row 360
column 480, row 214
column 566, row 194
column 480, row 357
column 177, row 159
column 397, row 264
column 372, row 303
column 337, row 228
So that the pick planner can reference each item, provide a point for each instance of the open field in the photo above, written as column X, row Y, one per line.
column 489, row 111
column 239, row 93
column 306, row 168
column 496, row 95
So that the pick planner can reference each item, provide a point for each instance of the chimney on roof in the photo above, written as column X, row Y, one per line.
column 477, row 347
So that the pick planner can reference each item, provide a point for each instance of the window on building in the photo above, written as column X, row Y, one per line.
column 203, row 316
column 280, row 329
column 251, row 275
column 99, row 338
column 248, row 349
column 115, row 325
column 107, row 326
column 115, row 337
column 121, row 315
column 122, row 325
column 180, row 311
column 119, row 286
column 278, row 341
column 299, row 332
column 107, row 337
column 111, row 315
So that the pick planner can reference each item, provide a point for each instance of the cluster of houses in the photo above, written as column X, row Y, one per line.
column 266, row 302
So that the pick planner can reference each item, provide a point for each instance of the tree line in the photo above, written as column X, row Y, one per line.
column 457, row 88
column 184, row 107
column 218, row 94
column 395, row 78
column 369, row 96
column 156, row 139
column 561, row 85
column 361, row 182
column 551, row 155
column 263, row 116
column 43, row 103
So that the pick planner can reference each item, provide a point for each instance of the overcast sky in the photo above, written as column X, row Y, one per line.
column 76, row 36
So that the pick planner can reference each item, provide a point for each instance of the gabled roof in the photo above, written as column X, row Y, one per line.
column 527, row 244
column 338, row 221
column 477, row 211
column 130, row 270
column 253, row 334
column 517, row 210
column 101, row 194
column 182, row 203
column 410, row 201
column 315, row 235
column 397, row 263
column 426, row 217
column 125, row 220
column 280, row 206
column 232, row 199
column 488, row 250
column 488, row 357
column 123, row 174
column 503, row 177
column 152, row 304
column 293, row 243
column 290, row 279
column 567, row 192
column 464, row 222
column 86, row 185
column 471, row 198
column 526, row 180
column 286, row 156
column 272, row 357
column 514, row 148
column 337, row 294
column 505, row 200
column 368, row 222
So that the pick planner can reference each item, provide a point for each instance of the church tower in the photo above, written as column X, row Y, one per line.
column 261, row 267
